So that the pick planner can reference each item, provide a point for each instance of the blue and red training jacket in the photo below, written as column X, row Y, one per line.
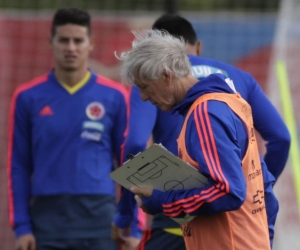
column 63, row 143
column 168, row 125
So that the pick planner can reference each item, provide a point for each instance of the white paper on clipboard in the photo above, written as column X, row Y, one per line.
column 158, row 168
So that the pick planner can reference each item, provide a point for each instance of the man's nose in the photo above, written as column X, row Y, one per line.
column 71, row 45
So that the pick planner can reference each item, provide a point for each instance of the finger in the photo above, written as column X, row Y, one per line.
column 132, row 243
column 140, row 203
column 127, row 232
column 32, row 245
column 146, row 192
column 20, row 247
column 121, row 240
column 116, row 235
column 138, row 200
column 136, row 190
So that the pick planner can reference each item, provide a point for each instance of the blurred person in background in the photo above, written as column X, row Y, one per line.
column 164, row 232
column 66, row 130
column 217, row 137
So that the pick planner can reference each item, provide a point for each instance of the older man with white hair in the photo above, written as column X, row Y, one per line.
column 217, row 138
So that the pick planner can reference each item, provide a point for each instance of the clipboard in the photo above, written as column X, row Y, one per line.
column 158, row 168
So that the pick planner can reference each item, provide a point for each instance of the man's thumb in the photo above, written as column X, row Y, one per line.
column 136, row 190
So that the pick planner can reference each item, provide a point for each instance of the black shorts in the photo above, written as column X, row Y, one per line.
column 158, row 239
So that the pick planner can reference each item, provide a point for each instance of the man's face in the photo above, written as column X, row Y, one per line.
column 159, row 92
column 71, row 45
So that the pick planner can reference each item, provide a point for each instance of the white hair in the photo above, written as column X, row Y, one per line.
column 154, row 52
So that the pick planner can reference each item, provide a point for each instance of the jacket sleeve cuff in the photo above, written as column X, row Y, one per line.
column 154, row 203
column 127, row 204
column 22, row 229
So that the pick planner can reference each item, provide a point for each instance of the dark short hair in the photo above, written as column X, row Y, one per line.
column 71, row 16
column 177, row 26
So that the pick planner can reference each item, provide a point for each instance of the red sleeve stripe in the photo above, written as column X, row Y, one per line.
column 194, row 208
column 211, row 148
column 204, row 145
column 210, row 154
column 118, row 86
column 11, row 122
column 189, row 199
column 194, row 200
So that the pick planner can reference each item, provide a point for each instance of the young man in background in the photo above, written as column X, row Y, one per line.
column 67, row 128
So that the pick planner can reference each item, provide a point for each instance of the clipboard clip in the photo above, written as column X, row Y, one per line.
column 130, row 156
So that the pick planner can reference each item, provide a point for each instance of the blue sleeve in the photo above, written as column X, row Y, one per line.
column 19, row 165
column 121, row 127
column 142, row 119
column 127, row 214
column 272, row 205
column 212, row 142
column 136, row 229
column 271, row 127
column 126, row 209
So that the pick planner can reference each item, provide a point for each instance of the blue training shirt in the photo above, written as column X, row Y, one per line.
column 61, row 150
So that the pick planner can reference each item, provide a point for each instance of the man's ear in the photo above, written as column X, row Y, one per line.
column 198, row 48
column 92, row 43
column 167, row 77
